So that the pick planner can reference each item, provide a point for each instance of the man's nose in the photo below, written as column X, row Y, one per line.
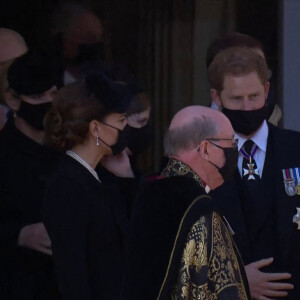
column 247, row 104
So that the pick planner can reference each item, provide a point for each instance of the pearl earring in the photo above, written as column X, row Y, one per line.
column 97, row 141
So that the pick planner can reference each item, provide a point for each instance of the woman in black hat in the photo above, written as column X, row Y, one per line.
column 83, row 220
column 26, row 164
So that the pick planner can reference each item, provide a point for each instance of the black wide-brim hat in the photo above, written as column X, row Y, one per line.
column 114, row 95
column 116, row 72
column 32, row 73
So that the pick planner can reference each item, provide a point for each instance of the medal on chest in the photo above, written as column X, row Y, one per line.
column 298, row 189
column 252, row 169
column 297, row 173
column 291, row 181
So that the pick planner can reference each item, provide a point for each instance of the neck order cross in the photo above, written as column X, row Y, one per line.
column 251, row 170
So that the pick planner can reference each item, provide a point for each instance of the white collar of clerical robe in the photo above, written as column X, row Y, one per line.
column 207, row 189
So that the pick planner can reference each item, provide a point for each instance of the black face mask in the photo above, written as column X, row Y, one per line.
column 246, row 121
column 34, row 114
column 90, row 52
column 121, row 142
column 139, row 139
column 231, row 158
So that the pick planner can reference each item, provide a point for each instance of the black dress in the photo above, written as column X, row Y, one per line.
column 25, row 167
column 86, row 226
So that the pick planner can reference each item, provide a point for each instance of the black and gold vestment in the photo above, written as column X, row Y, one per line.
column 179, row 247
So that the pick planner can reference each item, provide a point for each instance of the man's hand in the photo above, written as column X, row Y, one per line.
column 118, row 164
column 260, row 283
column 35, row 237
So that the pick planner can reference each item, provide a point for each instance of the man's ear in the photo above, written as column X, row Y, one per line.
column 267, row 88
column 203, row 150
column 12, row 101
column 215, row 97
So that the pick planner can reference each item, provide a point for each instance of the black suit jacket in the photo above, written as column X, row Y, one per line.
column 283, row 152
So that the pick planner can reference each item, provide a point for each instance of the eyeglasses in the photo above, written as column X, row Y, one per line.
column 234, row 141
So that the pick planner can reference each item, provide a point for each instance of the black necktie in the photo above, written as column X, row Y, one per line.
column 249, row 167
column 251, row 186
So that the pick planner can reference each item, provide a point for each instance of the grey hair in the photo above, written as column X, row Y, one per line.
column 190, row 135
column 63, row 17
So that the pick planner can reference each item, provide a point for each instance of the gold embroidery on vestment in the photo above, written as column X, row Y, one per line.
column 220, row 266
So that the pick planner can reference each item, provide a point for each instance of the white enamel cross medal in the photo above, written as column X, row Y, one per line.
column 251, row 171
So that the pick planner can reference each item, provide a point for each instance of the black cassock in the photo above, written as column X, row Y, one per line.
column 178, row 245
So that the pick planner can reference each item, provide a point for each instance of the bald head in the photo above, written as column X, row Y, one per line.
column 191, row 125
column 12, row 45
column 87, row 28
column 187, row 114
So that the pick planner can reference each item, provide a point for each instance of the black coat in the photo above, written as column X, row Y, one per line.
column 123, row 188
column 273, row 233
column 25, row 167
column 86, row 226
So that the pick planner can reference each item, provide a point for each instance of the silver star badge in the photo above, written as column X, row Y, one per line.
column 296, row 218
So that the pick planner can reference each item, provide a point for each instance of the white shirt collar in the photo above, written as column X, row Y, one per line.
column 260, row 138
